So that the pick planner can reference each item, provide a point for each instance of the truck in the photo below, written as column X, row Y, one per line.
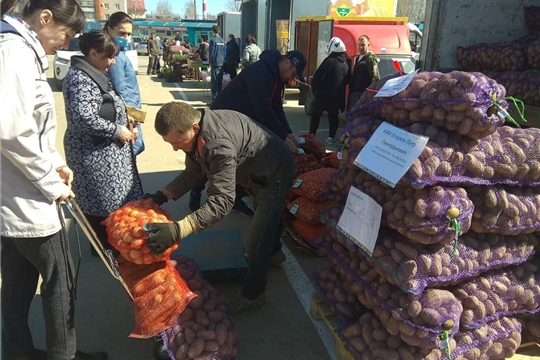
column 229, row 23
column 389, row 40
column 452, row 23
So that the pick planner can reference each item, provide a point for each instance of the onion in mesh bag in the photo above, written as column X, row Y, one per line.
column 468, row 103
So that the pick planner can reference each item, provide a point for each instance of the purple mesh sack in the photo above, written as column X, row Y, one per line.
column 505, row 209
column 368, row 338
column 502, row 56
column 427, row 216
column 467, row 103
column 417, row 320
column 532, row 17
column 533, row 53
column 523, row 85
column 508, row 156
column 510, row 291
column 204, row 330
column 345, row 304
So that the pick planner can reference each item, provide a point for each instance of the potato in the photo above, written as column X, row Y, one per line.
column 196, row 348
column 182, row 352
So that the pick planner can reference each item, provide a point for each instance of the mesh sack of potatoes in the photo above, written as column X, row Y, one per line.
column 468, row 103
column 505, row 209
column 502, row 56
column 368, row 338
column 312, row 183
column 523, row 85
column 532, row 17
column 415, row 267
column 533, row 54
column 417, row 320
column 509, row 291
column 204, row 330
column 508, row 156
column 345, row 304
column 305, row 162
column 428, row 216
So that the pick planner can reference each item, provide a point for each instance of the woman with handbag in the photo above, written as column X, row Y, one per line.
column 97, row 140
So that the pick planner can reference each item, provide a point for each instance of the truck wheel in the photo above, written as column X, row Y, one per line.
column 308, row 102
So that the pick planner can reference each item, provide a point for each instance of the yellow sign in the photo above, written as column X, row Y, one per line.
column 282, row 35
column 345, row 8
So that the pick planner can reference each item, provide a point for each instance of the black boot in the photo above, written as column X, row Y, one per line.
column 99, row 355
column 194, row 200
column 241, row 207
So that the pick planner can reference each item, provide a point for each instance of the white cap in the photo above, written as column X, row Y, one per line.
column 336, row 45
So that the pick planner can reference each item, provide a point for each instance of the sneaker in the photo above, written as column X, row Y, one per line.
column 241, row 207
column 100, row 355
column 278, row 258
column 194, row 201
column 329, row 141
column 238, row 304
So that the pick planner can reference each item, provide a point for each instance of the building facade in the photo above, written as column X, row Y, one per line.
column 188, row 30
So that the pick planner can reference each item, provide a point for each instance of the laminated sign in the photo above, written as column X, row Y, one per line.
column 390, row 152
column 395, row 86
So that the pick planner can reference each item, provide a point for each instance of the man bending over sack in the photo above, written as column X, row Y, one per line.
column 228, row 148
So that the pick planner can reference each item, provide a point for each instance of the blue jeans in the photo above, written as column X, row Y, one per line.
column 264, row 233
column 216, row 80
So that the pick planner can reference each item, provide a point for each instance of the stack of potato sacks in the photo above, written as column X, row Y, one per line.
column 514, row 64
column 453, row 265
column 304, row 204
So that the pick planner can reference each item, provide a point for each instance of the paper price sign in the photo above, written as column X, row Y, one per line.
column 361, row 220
column 396, row 85
column 390, row 152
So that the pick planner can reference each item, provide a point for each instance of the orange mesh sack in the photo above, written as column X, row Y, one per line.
column 309, row 211
column 159, row 295
column 308, row 232
column 305, row 162
column 311, row 184
column 124, row 228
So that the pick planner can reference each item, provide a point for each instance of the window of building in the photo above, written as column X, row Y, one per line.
column 106, row 16
column 106, row 6
column 117, row 6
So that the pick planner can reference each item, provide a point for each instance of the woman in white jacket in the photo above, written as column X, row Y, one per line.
column 34, row 179
column 251, row 52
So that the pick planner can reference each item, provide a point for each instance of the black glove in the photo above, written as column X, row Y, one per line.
column 163, row 237
column 158, row 197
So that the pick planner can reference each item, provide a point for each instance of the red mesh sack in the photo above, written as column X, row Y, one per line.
column 369, row 338
column 311, row 184
column 305, row 163
column 505, row 210
column 510, row 291
column 308, row 232
column 307, row 210
column 457, row 101
column 204, row 330
column 159, row 295
column 313, row 146
column 124, row 228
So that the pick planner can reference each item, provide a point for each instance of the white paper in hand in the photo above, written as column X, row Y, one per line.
column 361, row 220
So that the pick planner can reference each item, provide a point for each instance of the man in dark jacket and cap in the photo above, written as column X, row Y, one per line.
column 229, row 148
column 328, row 86
column 256, row 92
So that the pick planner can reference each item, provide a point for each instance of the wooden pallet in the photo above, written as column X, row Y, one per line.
column 321, row 310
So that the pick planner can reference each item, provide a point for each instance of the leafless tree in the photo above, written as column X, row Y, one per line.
column 415, row 10
column 164, row 9
column 211, row 16
column 233, row 5
column 190, row 11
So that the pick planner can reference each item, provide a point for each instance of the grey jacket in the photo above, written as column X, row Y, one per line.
column 230, row 149
column 30, row 183
column 251, row 54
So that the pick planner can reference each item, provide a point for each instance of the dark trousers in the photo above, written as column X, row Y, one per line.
column 264, row 233
column 353, row 99
column 153, row 59
column 230, row 69
column 22, row 261
column 216, row 77
column 333, row 120
column 101, row 232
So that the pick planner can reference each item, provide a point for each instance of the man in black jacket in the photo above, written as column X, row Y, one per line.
column 232, row 57
column 366, row 71
column 230, row 149
column 328, row 85
column 256, row 92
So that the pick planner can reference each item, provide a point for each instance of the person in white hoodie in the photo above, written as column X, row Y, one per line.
column 35, row 179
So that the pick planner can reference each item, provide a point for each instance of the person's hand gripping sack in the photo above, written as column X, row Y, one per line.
column 159, row 197
column 164, row 235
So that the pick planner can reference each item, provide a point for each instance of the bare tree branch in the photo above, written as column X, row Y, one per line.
column 190, row 12
column 164, row 9
column 233, row 5
column 415, row 10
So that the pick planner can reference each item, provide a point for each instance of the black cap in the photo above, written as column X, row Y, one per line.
column 298, row 59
